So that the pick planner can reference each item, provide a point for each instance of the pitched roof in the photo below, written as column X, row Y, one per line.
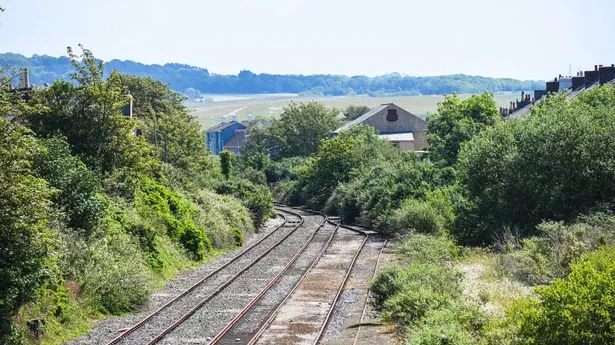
column 221, row 126
column 362, row 118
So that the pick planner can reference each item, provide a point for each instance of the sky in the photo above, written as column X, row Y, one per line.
column 524, row 39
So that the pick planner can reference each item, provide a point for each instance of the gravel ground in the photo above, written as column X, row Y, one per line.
column 250, row 323
column 299, row 320
column 373, row 329
column 106, row 329
column 217, row 312
column 347, row 312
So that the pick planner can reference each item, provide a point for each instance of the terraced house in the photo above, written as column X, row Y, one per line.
column 403, row 129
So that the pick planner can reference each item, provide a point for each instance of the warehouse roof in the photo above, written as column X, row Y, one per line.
column 362, row 118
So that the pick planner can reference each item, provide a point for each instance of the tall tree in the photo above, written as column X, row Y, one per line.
column 302, row 126
column 89, row 114
column 353, row 111
column 456, row 122
column 26, row 235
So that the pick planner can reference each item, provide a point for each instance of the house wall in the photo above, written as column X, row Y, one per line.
column 213, row 142
column 216, row 140
column 229, row 132
column 406, row 122
column 404, row 145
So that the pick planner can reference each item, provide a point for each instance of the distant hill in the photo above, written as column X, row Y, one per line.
column 190, row 79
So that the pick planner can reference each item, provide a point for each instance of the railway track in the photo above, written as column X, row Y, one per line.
column 246, row 323
column 303, row 315
column 154, row 326
column 356, row 338
column 240, row 301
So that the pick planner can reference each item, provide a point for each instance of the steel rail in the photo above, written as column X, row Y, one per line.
column 275, row 313
column 356, row 337
column 140, row 324
column 221, row 288
column 218, row 337
column 339, row 292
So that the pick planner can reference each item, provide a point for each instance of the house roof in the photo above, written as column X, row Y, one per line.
column 221, row 126
column 362, row 118
column 398, row 137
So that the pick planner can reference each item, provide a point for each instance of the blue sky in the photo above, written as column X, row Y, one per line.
column 519, row 39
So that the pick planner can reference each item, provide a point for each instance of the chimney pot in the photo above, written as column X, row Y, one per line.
column 595, row 67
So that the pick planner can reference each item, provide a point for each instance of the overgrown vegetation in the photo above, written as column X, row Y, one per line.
column 95, row 215
column 117, row 212
column 535, row 193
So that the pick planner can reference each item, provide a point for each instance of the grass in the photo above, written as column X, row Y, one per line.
column 270, row 106
column 485, row 286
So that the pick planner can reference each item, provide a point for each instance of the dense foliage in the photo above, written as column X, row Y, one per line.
column 97, row 207
column 553, row 164
column 537, row 190
column 301, row 127
column 456, row 122
column 424, row 296
column 578, row 309
column 188, row 79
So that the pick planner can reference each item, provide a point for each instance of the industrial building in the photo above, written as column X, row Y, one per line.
column 403, row 129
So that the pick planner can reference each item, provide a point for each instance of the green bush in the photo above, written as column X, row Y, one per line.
column 256, row 198
column 377, row 189
column 28, row 224
column 111, row 271
column 79, row 192
column 225, row 164
column 420, row 248
column 456, row 324
column 416, row 216
column 224, row 217
column 579, row 309
column 406, row 294
column 540, row 259
column 283, row 170
column 177, row 213
column 554, row 164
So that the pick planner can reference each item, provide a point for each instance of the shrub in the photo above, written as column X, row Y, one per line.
column 420, row 248
column 377, row 189
column 79, row 192
column 579, row 309
column 540, row 259
column 284, row 169
column 256, row 198
column 406, row 294
column 111, row 270
column 225, row 164
column 419, row 216
column 553, row 164
column 28, row 224
column 177, row 214
column 457, row 323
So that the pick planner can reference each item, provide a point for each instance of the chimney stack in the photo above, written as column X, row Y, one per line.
column 26, row 78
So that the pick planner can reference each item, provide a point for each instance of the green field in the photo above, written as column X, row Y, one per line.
column 269, row 106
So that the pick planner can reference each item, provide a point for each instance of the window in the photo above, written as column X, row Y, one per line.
column 392, row 115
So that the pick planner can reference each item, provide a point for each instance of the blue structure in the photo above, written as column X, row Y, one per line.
column 221, row 134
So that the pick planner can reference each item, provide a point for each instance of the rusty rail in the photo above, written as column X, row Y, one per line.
column 187, row 315
column 255, row 300
column 339, row 292
column 356, row 337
